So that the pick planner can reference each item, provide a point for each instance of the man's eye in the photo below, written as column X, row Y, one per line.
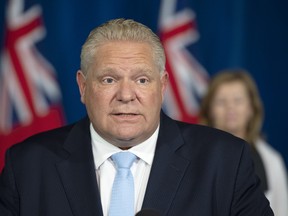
column 143, row 81
column 108, row 80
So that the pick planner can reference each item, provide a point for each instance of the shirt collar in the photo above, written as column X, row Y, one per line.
column 102, row 150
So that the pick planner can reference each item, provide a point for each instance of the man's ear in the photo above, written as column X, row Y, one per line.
column 81, row 81
column 164, row 81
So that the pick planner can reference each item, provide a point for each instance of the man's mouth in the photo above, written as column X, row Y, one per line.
column 125, row 114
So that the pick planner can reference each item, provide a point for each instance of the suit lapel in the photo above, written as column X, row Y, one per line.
column 77, row 172
column 168, row 168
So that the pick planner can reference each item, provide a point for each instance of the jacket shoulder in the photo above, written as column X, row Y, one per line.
column 50, row 140
column 208, row 135
column 50, row 137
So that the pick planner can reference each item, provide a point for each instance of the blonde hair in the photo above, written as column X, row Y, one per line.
column 231, row 75
column 121, row 30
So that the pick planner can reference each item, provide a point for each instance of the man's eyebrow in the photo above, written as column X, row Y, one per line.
column 112, row 71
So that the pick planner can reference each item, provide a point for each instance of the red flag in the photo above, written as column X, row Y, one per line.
column 188, row 79
column 29, row 94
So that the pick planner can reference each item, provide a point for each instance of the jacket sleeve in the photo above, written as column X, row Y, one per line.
column 248, row 199
column 9, row 199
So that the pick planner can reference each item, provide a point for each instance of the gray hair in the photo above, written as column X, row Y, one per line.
column 125, row 30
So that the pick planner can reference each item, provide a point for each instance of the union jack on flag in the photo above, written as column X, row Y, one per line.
column 30, row 97
column 188, row 79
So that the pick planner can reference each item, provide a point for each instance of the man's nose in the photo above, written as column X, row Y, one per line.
column 126, row 91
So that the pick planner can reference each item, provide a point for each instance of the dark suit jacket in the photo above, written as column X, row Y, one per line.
column 196, row 171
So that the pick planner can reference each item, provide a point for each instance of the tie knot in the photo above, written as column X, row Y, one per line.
column 123, row 159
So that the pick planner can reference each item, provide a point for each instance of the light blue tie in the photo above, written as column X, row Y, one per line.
column 122, row 197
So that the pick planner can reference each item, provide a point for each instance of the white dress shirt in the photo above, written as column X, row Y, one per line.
column 106, row 171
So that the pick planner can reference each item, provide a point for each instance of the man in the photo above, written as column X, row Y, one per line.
column 180, row 169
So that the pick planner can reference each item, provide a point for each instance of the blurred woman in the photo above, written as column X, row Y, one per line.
column 232, row 103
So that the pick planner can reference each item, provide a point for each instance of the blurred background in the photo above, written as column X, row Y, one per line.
column 41, row 42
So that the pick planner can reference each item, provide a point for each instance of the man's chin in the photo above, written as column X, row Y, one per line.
column 127, row 141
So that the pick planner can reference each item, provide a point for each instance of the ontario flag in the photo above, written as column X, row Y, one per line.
column 30, row 97
column 188, row 79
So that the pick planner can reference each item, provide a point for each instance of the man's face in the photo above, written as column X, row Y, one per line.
column 123, row 92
